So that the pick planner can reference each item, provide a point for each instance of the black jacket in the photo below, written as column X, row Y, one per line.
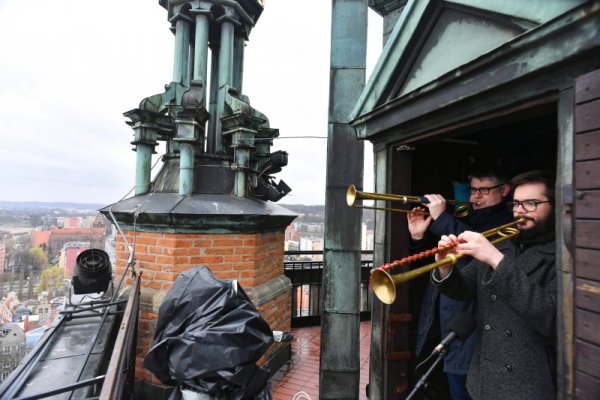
column 458, row 356
column 516, row 325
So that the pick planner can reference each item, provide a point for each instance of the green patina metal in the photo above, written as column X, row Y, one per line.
column 201, row 51
column 425, row 41
column 225, row 75
column 340, row 369
column 452, row 69
column 215, row 158
column 182, row 46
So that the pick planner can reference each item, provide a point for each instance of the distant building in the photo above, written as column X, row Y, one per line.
column 40, row 238
column 59, row 237
column 291, row 234
column 309, row 228
column 12, row 348
column 68, row 256
column 367, row 238
column 71, row 222
column 314, row 244
column 291, row 245
column 43, row 309
column 99, row 221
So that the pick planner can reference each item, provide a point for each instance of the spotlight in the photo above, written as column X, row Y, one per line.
column 267, row 189
column 92, row 272
column 277, row 160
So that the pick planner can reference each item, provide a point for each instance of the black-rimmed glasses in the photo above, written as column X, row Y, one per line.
column 485, row 189
column 528, row 205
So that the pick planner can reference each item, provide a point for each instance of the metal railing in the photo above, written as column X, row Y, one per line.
column 305, row 270
column 89, row 325
column 120, row 374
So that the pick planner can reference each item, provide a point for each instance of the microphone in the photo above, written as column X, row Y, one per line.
column 461, row 325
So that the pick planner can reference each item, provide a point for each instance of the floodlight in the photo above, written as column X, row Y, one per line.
column 92, row 272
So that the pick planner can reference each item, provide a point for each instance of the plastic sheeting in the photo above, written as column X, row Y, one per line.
column 208, row 338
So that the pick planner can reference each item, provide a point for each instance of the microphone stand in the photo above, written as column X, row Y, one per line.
column 423, row 381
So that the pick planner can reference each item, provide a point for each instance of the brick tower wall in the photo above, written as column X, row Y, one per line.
column 253, row 259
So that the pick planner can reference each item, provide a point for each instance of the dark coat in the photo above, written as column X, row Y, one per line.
column 516, row 325
column 458, row 355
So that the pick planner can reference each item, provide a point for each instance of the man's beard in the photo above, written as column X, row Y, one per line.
column 541, row 230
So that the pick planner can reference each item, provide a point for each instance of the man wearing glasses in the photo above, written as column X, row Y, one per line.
column 489, row 191
column 516, row 293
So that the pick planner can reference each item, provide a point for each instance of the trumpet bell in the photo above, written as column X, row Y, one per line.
column 383, row 286
column 351, row 195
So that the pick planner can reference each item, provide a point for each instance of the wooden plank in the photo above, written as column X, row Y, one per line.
column 587, row 358
column 587, row 146
column 587, row 326
column 398, row 356
column 587, row 116
column 396, row 318
column 587, row 295
column 586, row 264
column 587, row 204
column 587, row 87
column 587, row 175
column 586, row 387
column 587, row 234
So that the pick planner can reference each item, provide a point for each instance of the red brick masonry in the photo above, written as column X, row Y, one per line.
column 253, row 259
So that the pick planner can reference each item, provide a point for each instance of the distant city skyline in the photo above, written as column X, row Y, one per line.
column 71, row 71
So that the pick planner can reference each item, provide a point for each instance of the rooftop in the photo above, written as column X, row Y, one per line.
column 299, row 378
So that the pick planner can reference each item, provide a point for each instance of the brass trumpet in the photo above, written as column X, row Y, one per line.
column 384, row 284
column 462, row 208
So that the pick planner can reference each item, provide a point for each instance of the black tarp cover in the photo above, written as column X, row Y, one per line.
column 208, row 338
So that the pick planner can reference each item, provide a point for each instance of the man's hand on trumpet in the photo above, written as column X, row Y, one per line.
column 418, row 222
column 436, row 205
column 471, row 244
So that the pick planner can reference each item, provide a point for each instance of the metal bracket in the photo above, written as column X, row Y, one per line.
column 567, row 194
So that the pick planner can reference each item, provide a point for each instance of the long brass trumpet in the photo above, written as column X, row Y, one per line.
column 462, row 208
column 384, row 283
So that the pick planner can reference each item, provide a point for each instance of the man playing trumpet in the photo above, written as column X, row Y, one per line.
column 489, row 190
column 515, row 288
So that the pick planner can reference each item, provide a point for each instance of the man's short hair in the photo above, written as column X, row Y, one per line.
column 535, row 176
column 489, row 173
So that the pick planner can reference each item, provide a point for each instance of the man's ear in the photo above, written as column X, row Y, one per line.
column 505, row 190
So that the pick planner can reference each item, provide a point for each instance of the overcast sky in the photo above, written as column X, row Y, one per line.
column 70, row 68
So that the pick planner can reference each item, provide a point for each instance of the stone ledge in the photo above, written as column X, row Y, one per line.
column 267, row 291
column 151, row 299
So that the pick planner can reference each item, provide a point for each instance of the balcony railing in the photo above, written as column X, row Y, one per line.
column 305, row 270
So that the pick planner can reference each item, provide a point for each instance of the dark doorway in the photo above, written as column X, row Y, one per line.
column 517, row 143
